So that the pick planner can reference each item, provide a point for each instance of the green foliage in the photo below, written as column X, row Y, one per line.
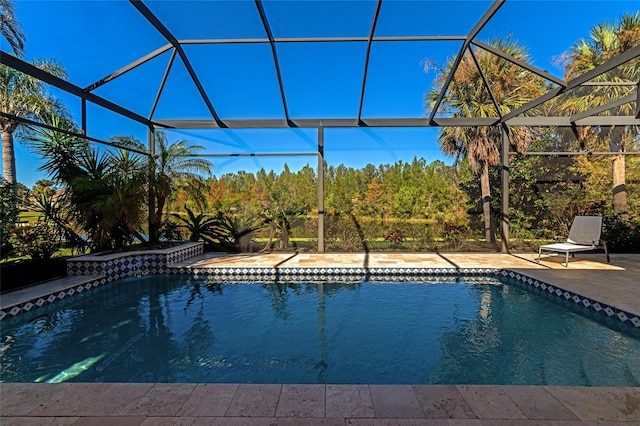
column 469, row 96
column 344, row 233
column 8, row 209
column 395, row 237
column 40, row 241
column 173, row 162
column 221, row 231
column 200, row 226
column 8, row 212
column 57, row 213
column 44, row 186
column 455, row 234
column 104, row 193
column 10, row 28
column 621, row 232
column 236, row 231
column 283, row 205
column 170, row 231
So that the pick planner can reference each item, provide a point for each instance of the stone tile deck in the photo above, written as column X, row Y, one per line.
column 617, row 284
column 209, row 404
column 33, row 292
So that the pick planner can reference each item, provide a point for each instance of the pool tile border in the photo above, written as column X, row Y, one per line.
column 122, row 265
column 106, row 269
column 114, row 267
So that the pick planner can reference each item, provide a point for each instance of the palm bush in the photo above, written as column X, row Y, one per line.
column 200, row 226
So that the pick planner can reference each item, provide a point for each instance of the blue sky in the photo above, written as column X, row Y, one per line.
column 91, row 39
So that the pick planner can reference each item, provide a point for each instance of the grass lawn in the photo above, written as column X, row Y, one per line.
column 29, row 216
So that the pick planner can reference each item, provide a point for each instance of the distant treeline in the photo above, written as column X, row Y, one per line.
column 423, row 201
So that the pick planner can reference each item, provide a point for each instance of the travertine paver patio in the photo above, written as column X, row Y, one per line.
column 233, row 404
column 617, row 284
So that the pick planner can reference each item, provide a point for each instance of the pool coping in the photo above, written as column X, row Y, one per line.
column 96, row 271
column 328, row 405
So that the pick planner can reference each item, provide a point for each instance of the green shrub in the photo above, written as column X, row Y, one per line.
column 40, row 241
column 455, row 234
column 621, row 232
column 395, row 237
column 8, row 214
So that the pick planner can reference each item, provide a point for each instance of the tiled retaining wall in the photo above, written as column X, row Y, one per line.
column 122, row 265
column 109, row 268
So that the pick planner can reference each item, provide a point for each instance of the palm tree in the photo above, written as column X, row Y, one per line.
column 23, row 96
column 512, row 87
column 607, row 41
column 174, row 162
column 10, row 28
column 60, row 151
column 104, row 194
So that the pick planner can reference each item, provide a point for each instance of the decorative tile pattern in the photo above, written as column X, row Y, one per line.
column 428, row 275
column 112, row 267
column 126, row 265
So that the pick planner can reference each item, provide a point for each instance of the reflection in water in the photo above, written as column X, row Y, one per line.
column 158, row 329
column 73, row 371
column 322, row 336
column 485, row 305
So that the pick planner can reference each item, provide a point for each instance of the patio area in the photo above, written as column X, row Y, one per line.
column 327, row 405
column 614, row 283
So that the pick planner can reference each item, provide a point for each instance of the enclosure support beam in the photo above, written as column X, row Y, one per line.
column 486, row 83
column 78, row 135
column 581, row 79
column 128, row 68
column 84, row 116
column 470, row 37
column 320, row 189
column 152, row 177
column 366, row 59
column 606, row 107
column 638, row 101
column 165, row 76
column 274, row 52
column 504, row 216
column 159, row 26
column 62, row 84
column 520, row 63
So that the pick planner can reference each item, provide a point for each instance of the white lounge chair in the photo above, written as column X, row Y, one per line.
column 584, row 235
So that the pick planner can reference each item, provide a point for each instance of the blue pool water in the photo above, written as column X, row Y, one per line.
column 179, row 329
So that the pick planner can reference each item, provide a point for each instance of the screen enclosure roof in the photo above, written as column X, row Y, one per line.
column 307, row 64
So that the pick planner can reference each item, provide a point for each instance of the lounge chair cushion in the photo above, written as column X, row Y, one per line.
column 564, row 247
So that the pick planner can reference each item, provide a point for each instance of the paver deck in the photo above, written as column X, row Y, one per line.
column 374, row 405
column 617, row 284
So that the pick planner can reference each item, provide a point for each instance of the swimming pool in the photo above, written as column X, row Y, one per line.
column 177, row 328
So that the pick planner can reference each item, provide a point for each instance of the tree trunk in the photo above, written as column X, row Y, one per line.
column 618, row 162
column 485, row 189
column 619, row 186
column 154, row 227
column 267, row 248
column 9, row 159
